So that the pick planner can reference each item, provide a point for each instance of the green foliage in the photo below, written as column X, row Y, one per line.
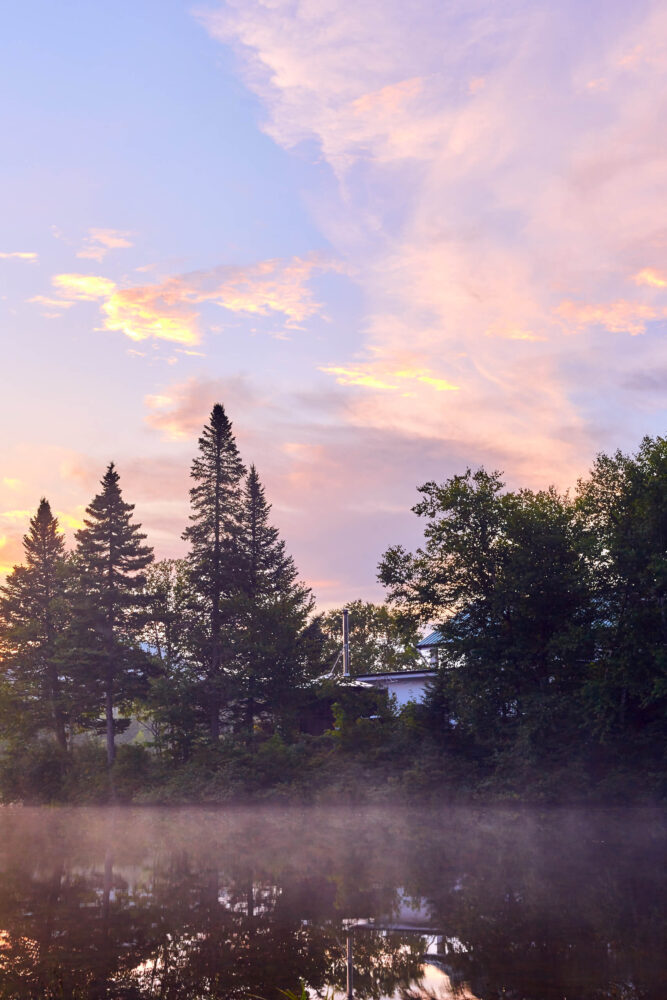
column 552, row 613
column 275, row 648
column 382, row 639
column 553, row 660
column 111, row 559
column 34, row 613
column 502, row 577
column 213, row 560
column 34, row 773
column 624, row 510
column 172, row 707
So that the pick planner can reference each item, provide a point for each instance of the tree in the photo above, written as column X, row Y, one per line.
column 111, row 559
column 382, row 639
column 213, row 558
column 274, row 607
column 172, row 613
column 624, row 508
column 502, row 576
column 33, row 618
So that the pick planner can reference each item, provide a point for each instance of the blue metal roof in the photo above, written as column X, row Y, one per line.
column 434, row 639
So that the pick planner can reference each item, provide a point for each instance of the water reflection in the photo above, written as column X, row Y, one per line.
column 468, row 904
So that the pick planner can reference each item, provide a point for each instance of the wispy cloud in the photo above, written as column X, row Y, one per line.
column 19, row 255
column 618, row 317
column 649, row 276
column 169, row 310
column 100, row 241
column 180, row 411
column 491, row 201
column 374, row 377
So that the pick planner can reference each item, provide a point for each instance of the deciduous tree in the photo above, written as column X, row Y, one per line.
column 382, row 640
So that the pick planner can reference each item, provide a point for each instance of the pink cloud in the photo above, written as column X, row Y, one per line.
column 100, row 241
column 490, row 201
column 180, row 411
column 618, row 317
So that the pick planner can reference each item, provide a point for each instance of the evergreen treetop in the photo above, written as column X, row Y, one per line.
column 269, row 572
column 217, row 471
column 33, row 616
column 111, row 558
column 110, row 550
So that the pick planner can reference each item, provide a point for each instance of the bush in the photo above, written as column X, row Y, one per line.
column 34, row 773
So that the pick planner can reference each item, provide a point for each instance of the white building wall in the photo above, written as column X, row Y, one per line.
column 404, row 688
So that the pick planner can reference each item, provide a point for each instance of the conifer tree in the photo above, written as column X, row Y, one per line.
column 112, row 557
column 213, row 559
column 275, row 606
column 33, row 616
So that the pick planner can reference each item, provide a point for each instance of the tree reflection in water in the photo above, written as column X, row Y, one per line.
column 185, row 904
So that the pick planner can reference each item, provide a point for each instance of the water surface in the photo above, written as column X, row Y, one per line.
column 466, row 903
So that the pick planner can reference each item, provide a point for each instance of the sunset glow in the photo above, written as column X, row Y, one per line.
column 393, row 240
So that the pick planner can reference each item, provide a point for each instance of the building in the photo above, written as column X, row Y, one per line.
column 404, row 685
column 429, row 647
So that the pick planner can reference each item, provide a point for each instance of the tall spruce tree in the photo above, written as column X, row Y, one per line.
column 112, row 557
column 213, row 558
column 33, row 617
column 274, row 608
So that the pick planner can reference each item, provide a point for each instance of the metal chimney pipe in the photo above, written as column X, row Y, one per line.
column 346, row 643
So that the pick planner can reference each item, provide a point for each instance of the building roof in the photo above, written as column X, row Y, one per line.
column 397, row 675
column 429, row 641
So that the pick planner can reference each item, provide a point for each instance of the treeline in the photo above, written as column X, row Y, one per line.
column 552, row 675
column 193, row 645
column 553, row 614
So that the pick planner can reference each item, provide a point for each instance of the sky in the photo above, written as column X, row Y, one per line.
column 394, row 240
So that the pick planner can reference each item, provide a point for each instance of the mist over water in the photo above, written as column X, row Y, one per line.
column 189, row 903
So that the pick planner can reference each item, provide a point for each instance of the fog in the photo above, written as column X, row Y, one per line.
column 464, row 902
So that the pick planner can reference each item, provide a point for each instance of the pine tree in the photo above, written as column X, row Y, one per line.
column 112, row 558
column 33, row 615
column 213, row 559
column 274, row 604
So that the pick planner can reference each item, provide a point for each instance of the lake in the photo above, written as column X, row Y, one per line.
column 462, row 903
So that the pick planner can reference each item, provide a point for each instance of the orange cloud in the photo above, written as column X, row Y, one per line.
column 423, row 375
column 168, row 310
column 355, row 376
column 372, row 380
column 617, row 317
column 51, row 303
column 83, row 287
column 650, row 277
column 151, row 312
column 18, row 255
column 513, row 333
column 101, row 241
